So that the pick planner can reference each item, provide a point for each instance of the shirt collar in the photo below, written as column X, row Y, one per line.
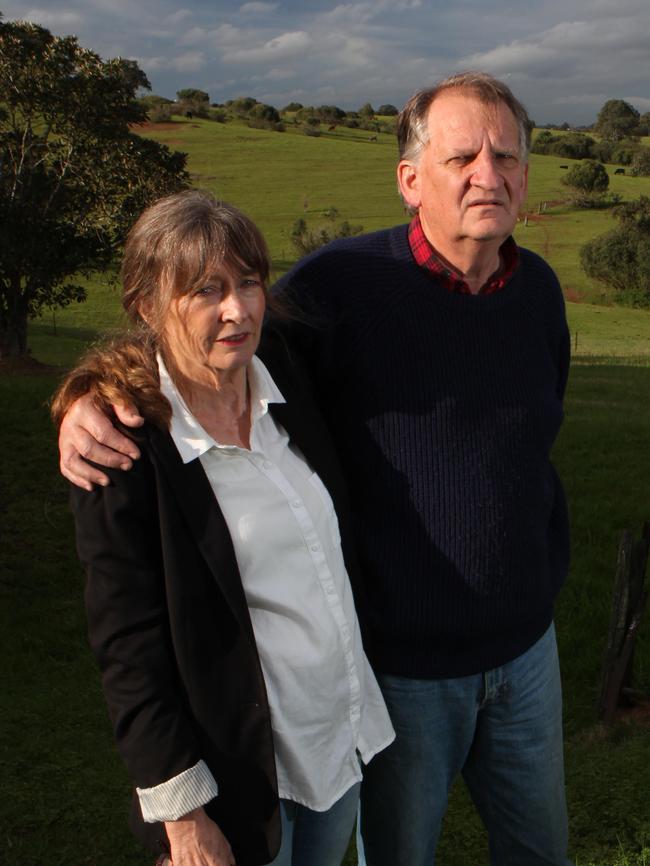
column 431, row 261
column 188, row 435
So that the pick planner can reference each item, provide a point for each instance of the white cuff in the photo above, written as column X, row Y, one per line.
column 174, row 798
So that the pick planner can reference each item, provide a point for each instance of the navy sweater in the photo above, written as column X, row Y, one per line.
column 444, row 409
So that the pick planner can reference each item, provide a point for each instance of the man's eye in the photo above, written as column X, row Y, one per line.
column 509, row 160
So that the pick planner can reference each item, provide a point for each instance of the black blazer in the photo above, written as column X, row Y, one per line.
column 169, row 624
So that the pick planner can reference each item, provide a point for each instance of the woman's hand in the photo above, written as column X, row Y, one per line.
column 197, row 841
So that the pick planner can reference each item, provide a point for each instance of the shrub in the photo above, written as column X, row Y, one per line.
column 620, row 258
column 641, row 162
column 306, row 240
column 160, row 113
column 311, row 131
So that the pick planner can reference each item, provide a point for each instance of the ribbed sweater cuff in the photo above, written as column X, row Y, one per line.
column 174, row 798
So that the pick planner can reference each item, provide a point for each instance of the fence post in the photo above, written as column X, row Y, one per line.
column 628, row 605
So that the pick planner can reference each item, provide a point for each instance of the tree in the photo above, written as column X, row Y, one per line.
column 73, row 174
column 367, row 110
column 191, row 94
column 641, row 162
column 617, row 119
column 587, row 177
column 621, row 258
column 387, row 110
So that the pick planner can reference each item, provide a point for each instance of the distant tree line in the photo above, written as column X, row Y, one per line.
column 196, row 103
column 615, row 139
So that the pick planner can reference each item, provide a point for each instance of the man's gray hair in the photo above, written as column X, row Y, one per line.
column 412, row 126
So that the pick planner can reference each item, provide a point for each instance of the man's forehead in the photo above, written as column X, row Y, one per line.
column 460, row 113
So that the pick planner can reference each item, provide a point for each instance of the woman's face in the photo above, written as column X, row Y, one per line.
column 216, row 328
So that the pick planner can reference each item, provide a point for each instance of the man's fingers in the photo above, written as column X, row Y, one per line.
column 128, row 414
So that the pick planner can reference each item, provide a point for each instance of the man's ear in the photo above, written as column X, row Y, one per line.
column 408, row 182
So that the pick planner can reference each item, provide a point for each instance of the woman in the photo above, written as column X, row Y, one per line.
column 218, row 598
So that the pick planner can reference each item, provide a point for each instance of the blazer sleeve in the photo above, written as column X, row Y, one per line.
column 118, row 540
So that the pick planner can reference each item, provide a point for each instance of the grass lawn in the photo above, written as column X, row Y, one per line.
column 64, row 792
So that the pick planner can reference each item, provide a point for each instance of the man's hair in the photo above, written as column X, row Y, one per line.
column 412, row 125
column 177, row 243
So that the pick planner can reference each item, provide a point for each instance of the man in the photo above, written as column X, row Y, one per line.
column 439, row 353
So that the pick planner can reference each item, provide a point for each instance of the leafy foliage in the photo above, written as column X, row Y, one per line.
column 621, row 258
column 617, row 119
column 587, row 177
column 387, row 110
column 191, row 94
column 574, row 145
column 641, row 162
column 306, row 240
column 73, row 174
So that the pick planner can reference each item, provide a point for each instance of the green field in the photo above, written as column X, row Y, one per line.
column 64, row 792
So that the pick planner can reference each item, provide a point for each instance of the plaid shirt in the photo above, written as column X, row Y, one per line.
column 426, row 256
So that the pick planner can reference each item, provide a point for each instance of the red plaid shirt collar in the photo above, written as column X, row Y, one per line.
column 427, row 257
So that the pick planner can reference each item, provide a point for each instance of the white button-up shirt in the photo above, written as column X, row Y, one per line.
column 326, row 706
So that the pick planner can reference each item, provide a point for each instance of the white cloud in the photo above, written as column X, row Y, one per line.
column 178, row 16
column 55, row 20
column 191, row 61
column 285, row 45
column 258, row 8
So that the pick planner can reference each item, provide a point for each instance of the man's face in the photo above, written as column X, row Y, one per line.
column 469, row 181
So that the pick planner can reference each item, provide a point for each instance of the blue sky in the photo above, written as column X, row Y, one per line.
column 562, row 58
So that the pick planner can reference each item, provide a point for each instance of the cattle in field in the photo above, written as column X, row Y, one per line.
column 373, row 138
column 564, row 166
column 331, row 128
column 619, row 171
column 188, row 114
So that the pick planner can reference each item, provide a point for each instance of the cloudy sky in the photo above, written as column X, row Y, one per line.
column 563, row 58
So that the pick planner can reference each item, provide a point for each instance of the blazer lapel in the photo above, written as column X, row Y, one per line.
column 193, row 494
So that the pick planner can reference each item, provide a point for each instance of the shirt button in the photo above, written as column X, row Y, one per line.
column 315, row 547
column 296, row 503
column 267, row 464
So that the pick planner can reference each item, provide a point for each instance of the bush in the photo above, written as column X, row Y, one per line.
column 196, row 109
column 260, row 111
column 574, row 145
column 311, row 131
column 306, row 240
column 620, row 259
column 589, row 177
column 387, row 110
column 641, row 162
column 160, row 113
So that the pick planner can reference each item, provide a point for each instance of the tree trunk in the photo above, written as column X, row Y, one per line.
column 13, row 327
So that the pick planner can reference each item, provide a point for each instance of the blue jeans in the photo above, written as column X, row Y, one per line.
column 317, row 838
column 503, row 731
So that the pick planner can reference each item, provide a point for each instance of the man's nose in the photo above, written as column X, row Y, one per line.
column 486, row 171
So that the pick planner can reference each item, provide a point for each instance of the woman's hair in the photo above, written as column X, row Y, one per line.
column 179, row 241
column 412, row 124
